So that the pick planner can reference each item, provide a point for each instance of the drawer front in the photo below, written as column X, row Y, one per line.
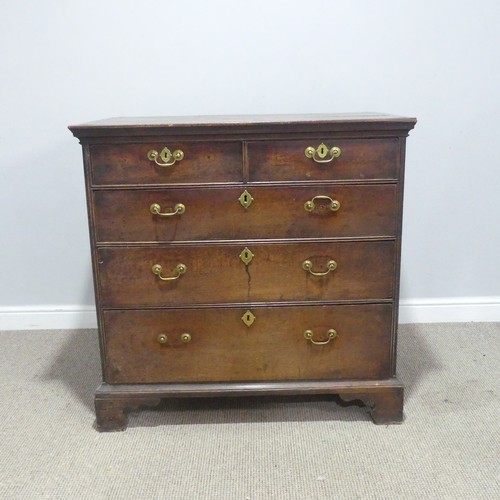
column 222, row 348
column 211, row 214
column 216, row 273
column 203, row 162
column 359, row 159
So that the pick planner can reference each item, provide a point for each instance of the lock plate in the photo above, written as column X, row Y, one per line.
column 245, row 199
column 248, row 318
column 322, row 150
column 246, row 256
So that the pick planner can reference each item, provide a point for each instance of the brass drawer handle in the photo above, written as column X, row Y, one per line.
column 166, row 155
column 307, row 266
column 163, row 339
column 308, row 334
column 309, row 206
column 155, row 209
column 180, row 269
column 319, row 154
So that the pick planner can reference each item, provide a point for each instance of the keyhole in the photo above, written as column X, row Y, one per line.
column 248, row 317
column 246, row 255
column 245, row 199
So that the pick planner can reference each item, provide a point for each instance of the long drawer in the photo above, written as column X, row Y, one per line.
column 186, row 214
column 209, row 345
column 219, row 273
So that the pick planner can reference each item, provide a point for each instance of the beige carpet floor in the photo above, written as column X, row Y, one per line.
column 250, row 449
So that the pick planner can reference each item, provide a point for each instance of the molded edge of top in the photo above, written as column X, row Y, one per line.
column 129, row 126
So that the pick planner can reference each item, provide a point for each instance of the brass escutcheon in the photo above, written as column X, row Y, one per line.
column 245, row 199
column 246, row 256
column 248, row 318
column 319, row 154
column 166, row 156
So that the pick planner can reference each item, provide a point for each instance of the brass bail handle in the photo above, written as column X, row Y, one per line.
column 155, row 209
column 319, row 154
column 163, row 339
column 331, row 334
column 307, row 265
column 180, row 269
column 309, row 205
column 166, row 156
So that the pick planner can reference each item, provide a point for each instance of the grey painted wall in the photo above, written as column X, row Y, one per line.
column 69, row 62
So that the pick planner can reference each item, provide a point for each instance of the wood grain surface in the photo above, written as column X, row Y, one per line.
column 360, row 159
column 216, row 274
column 223, row 348
column 203, row 162
column 216, row 214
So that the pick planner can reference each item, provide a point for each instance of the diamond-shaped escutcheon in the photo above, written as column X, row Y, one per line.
column 245, row 199
column 246, row 256
column 248, row 318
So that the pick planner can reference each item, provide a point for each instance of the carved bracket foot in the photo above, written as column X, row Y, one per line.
column 111, row 413
column 385, row 404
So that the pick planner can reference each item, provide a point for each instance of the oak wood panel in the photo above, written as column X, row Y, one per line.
column 216, row 274
column 223, row 348
column 204, row 162
column 360, row 159
column 216, row 214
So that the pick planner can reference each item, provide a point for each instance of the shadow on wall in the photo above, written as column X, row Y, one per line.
column 78, row 366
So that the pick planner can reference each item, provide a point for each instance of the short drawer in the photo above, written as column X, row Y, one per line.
column 216, row 273
column 202, row 162
column 185, row 214
column 359, row 159
column 152, row 346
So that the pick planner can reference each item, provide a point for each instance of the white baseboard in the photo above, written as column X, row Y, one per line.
column 442, row 310
column 47, row 317
column 450, row 310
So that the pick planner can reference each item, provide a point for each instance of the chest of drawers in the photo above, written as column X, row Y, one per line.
column 250, row 255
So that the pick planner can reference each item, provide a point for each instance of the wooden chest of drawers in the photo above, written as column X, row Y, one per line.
column 246, row 256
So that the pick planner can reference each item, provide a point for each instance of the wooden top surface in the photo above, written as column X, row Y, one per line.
column 126, row 126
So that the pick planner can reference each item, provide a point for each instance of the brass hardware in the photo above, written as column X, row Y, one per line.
column 166, row 155
column 319, row 154
column 162, row 338
column 307, row 265
column 309, row 206
column 180, row 269
column 185, row 337
column 155, row 209
column 245, row 199
column 246, row 256
column 248, row 318
column 308, row 334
